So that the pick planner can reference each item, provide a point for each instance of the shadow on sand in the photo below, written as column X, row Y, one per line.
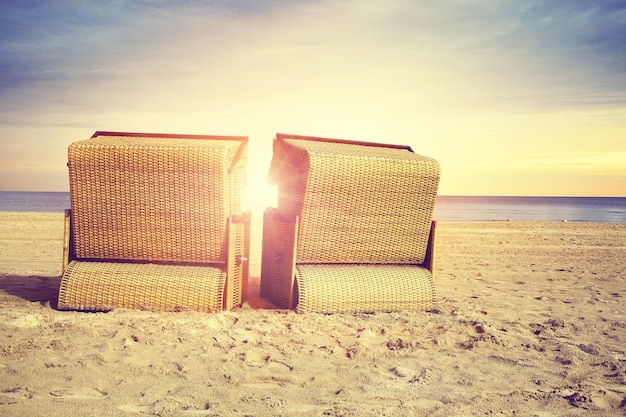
column 35, row 289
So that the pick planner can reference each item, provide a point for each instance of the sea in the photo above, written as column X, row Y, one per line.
column 447, row 208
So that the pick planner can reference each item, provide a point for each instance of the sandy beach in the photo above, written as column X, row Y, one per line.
column 530, row 321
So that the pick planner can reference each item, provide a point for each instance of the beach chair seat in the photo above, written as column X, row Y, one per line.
column 155, row 223
column 356, row 208
column 106, row 285
column 329, row 288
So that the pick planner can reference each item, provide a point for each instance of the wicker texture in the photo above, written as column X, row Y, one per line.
column 357, row 204
column 102, row 286
column 362, row 288
column 155, row 223
column 158, row 199
column 352, row 227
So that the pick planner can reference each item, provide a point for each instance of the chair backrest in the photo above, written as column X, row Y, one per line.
column 154, row 197
column 358, row 202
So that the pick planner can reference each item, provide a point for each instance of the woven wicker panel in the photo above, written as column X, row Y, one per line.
column 327, row 288
column 357, row 204
column 148, row 199
column 102, row 286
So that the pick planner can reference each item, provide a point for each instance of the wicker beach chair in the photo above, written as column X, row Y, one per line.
column 155, row 223
column 353, row 230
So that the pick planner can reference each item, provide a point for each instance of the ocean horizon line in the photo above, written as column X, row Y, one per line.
column 438, row 195
column 463, row 208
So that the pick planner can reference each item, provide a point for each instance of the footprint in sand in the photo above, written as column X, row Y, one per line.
column 164, row 405
column 79, row 393
column 599, row 399
column 15, row 395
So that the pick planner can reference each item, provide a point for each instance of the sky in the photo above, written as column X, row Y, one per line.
column 511, row 97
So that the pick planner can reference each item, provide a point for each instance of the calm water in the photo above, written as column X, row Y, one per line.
column 34, row 201
column 577, row 209
column 448, row 208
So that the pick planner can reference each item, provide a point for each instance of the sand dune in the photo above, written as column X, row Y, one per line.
column 530, row 321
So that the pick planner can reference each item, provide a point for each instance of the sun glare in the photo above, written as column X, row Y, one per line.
column 258, row 194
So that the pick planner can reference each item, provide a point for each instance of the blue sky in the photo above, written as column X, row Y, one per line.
column 512, row 97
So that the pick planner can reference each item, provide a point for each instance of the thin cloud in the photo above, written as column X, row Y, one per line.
column 44, row 42
column 457, row 79
column 556, row 54
column 514, row 54
column 600, row 162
